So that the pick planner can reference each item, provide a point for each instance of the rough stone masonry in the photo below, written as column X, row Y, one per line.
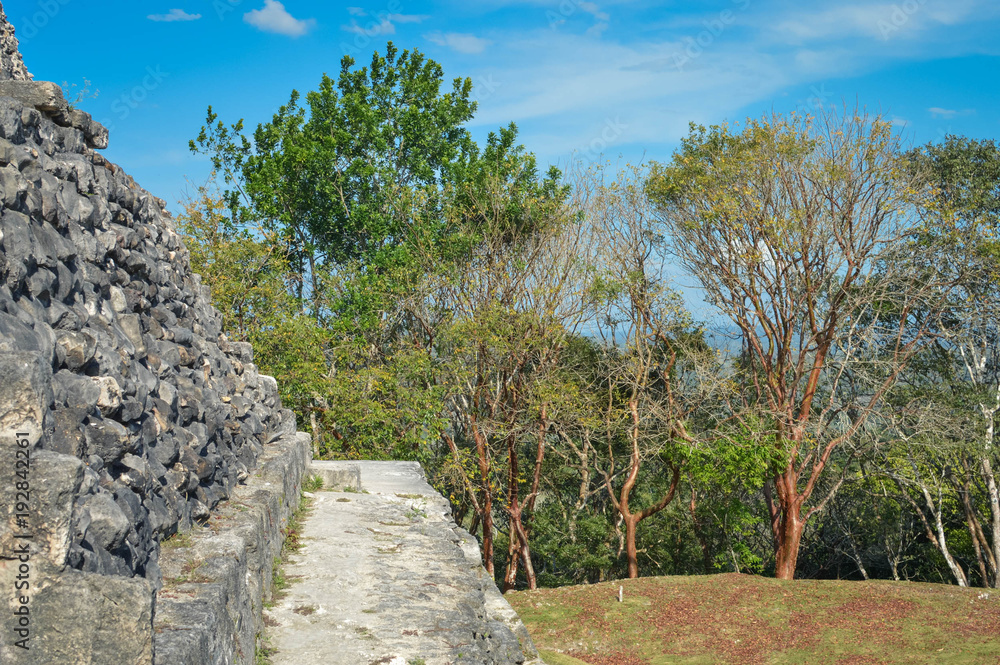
column 127, row 417
column 130, row 413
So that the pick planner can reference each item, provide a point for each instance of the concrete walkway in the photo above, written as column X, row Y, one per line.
column 384, row 577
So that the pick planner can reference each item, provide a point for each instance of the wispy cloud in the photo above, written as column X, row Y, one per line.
column 938, row 112
column 384, row 27
column 459, row 41
column 174, row 15
column 408, row 18
column 381, row 24
column 595, row 11
column 882, row 20
column 273, row 17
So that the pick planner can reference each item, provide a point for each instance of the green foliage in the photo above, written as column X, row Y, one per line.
column 421, row 297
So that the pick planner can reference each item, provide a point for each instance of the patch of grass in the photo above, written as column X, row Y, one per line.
column 741, row 619
column 177, row 541
column 188, row 574
column 292, row 544
column 556, row 658
column 410, row 496
column 416, row 513
column 348, row 488
column 416, row 661
column 344, row 499
column 263, row 651
column 312, row 484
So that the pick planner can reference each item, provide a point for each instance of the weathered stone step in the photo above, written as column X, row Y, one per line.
column 384, row 576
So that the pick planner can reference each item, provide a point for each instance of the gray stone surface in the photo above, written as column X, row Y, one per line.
column 385, row 577
column 11, row 64
column 43, row 95
column 337, row 474
column 142, row 417
column 210, row 608
column 146, row 390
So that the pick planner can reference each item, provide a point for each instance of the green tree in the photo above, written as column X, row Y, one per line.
column 790, row 225
column 249, row 274
column 343, row 177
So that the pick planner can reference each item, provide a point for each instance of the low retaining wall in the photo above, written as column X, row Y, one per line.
column 216, row 578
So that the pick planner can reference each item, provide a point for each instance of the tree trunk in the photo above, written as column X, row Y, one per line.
column 790, row 535
column 513, row 551
column 487, row 501
column 994, row 494
column 789, row 523
column 525, row 552
column 315, row 434
column 514, row 511
column 631, row 553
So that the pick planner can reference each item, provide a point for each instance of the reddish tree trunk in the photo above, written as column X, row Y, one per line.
column 486, row 504
column 631, row 553
column 787, row 555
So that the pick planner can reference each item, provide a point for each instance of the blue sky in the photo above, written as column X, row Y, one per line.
column 581, row 79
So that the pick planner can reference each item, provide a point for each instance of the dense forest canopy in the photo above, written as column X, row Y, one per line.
column 423, row 297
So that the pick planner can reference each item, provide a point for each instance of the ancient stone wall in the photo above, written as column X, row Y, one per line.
column 125, row 413
column 147, row 469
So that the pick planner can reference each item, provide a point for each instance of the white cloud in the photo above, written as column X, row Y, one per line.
column 356, row 11
column 592, row 9
column 597, row 29
column 408, row 18
column 384, row 24
column 385, row 27
column 459, row 41
column 886, row 20
column 938, row 112
column 174, row 15
column 273, row 17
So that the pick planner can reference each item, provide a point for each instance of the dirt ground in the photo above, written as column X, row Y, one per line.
column 749, row 620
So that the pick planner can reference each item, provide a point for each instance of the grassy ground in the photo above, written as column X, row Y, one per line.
column 747, row 620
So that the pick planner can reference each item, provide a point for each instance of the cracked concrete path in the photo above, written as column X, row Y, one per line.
column 385, row 577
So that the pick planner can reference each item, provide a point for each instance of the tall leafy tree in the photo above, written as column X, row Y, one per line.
column 796, row 228
column 344, row 176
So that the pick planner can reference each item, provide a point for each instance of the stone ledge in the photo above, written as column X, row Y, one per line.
column 43, row 95
column 210, row 609
column 336, row 474
column 48, row 98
